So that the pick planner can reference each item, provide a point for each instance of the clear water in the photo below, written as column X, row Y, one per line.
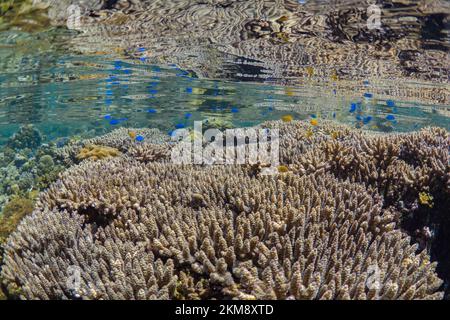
column 97, row 77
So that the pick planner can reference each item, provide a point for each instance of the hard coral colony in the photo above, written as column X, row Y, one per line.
column 136, row 226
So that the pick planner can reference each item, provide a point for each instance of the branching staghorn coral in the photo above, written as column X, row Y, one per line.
column 150, row 152
column 399, row 166
column 402, row 168
column 152, row 231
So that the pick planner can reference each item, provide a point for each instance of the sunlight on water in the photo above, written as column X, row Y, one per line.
column 89, row 95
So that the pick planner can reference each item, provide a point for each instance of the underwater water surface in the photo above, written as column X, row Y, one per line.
column 71, row 79
column 77, row 70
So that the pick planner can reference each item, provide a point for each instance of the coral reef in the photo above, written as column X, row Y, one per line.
column 27, row 137
column 27, row 164
column 158, row 231
column 139, row 227
column 93, row 152
column 407, row 170
column 14, row 211
column 12, row 214
column 117, row 139
column 150, row 152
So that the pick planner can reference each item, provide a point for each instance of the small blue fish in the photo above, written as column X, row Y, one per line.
column 117, row 65
column 313, row 116
column 151, row 111
column 141, row 49
column 390, row 117
column 61, row 142
column 352, row 108
column 139, row 138
column 179, row 126
column 334, row 114
column 189, row 90
column 359, row 118
column 188, row 115
column 182, row 74
column 368, row 95
column 270, row 108
column 143, row 59
column 107, row 117
column 108, row 102
column 153, row 91
column 128, row 71
column 367, row 119
column 109, row 92
column 366, row 82
column 390, row 103
column 234, row 110
column 114, row 122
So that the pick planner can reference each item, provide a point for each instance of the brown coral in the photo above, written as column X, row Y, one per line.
column 398, row 167
column 139, row 231
column 93, row 152
column 117, row 139
column 14, row 211
column 149, row 152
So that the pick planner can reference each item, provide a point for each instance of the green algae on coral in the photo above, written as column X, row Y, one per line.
column 13, row 212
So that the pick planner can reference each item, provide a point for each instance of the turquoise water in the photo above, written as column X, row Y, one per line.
column 91, row 95
column 67, row 81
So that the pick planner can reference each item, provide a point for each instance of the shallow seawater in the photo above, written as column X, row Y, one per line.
column 77, row 70
column 66, row 80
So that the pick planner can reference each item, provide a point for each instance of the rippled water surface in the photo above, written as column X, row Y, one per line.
column 231, row 63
